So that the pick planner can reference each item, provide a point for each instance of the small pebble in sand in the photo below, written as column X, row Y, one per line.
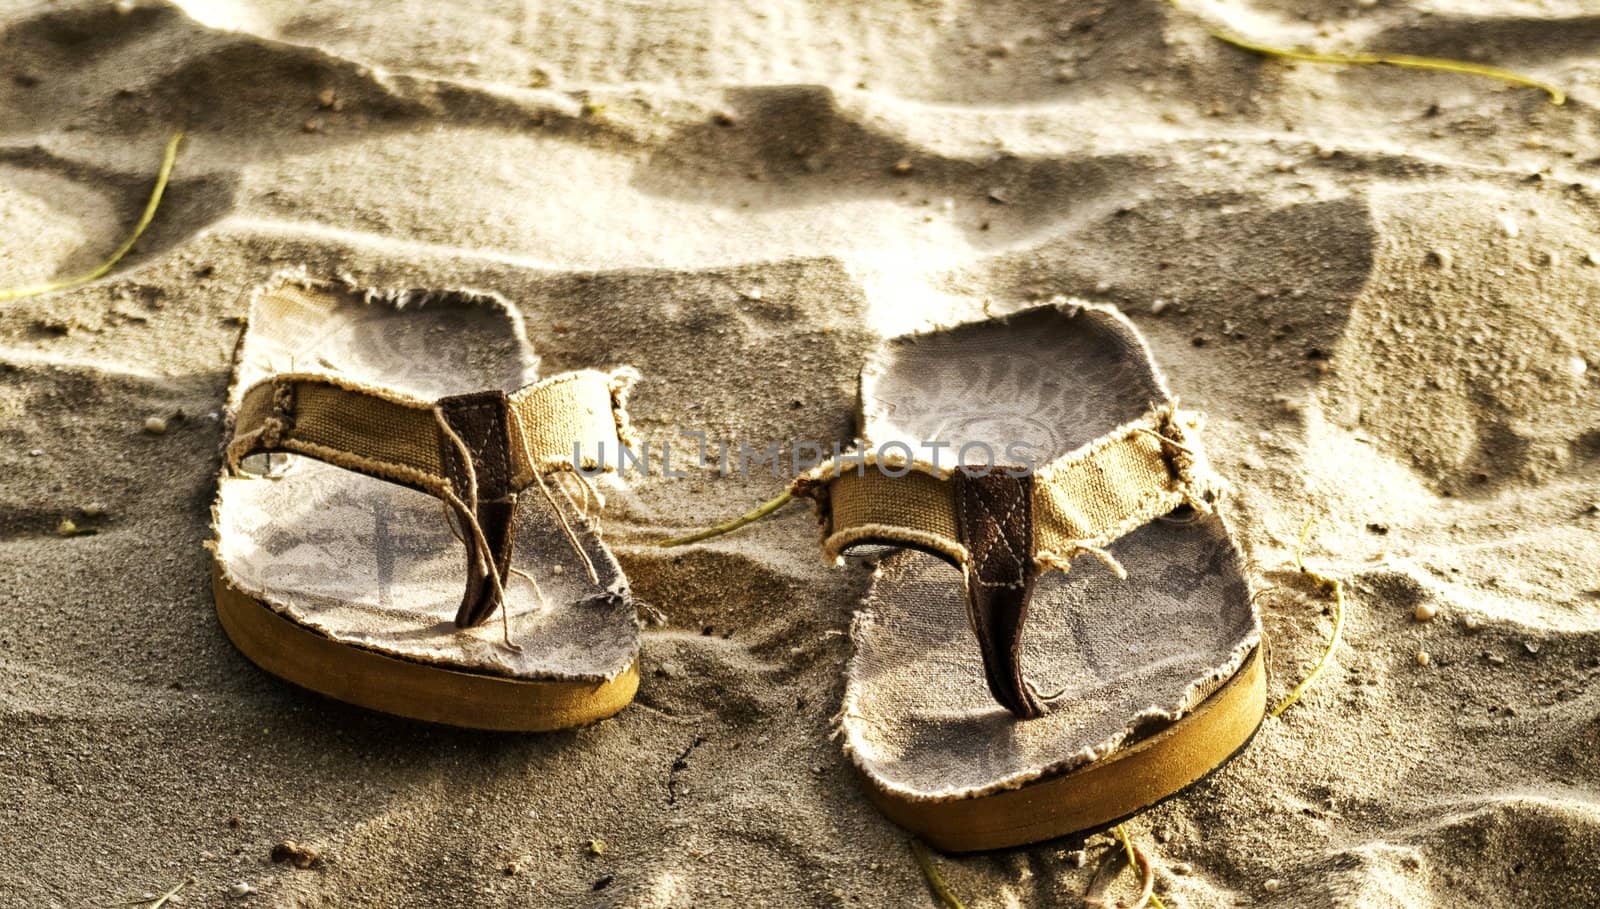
column 1592, row 257
column 723, row 118
column 1439, row 258
column 1158, row 306
column 512, row 869
column 292, row 853
column 1077, row 858
column 1577, row 367
column 597, row 847
column 312, row 125
column 155, row 425
column 1532, row 647
column 1425, row 612
column 1423, row 659
column 1273, row 885
column 1509, row 227
column 329, row 101
column 557, row 570
column 1495, row 659
column 1181, row 869
column 902, row 168
column 241, row 889
column 1472, row 623
column 94, row 510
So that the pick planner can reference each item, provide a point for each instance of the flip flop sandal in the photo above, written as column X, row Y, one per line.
column 383, row 450
column 1139, row 672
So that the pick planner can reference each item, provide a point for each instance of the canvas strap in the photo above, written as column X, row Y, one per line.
column 394, row 436
column 1002, row 530
column 477, row 452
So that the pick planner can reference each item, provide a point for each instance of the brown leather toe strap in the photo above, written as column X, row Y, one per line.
column 994, row 517
column 482, row 481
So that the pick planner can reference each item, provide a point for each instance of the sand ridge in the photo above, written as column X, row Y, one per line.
column 1380, row 285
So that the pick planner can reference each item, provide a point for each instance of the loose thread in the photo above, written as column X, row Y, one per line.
column 480, row 545
column 33, row 290
column 1334, row 586
column 585, row 487
column 749, row 517
column 572, row 538
column 1364, row 58
column 936, row 881
column 1164, row 440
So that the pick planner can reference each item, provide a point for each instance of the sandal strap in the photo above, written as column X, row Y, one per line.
column 397, row 437
column 995, row 516
column 1081, row 501
column 1091, row 497
column 361, row 428
column 475, row 455
column 476, row 452
column 574, row 420
column 1005, row 528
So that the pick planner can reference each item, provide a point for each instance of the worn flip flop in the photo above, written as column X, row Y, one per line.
column 385, row 449
column 1089, row 694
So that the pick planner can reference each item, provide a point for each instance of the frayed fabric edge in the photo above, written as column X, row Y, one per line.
column 878, row 360
column 299, row 276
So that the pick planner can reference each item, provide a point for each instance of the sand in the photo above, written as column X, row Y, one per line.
column 1381, row 285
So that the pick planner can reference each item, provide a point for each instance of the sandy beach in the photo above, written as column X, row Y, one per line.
column 1380, row 284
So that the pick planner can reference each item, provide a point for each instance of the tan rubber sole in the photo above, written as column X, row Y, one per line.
column 1104, row 792
column 418, row 691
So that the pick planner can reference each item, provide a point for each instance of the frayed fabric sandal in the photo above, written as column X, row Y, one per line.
column 1090, row 694
column 385, row 450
